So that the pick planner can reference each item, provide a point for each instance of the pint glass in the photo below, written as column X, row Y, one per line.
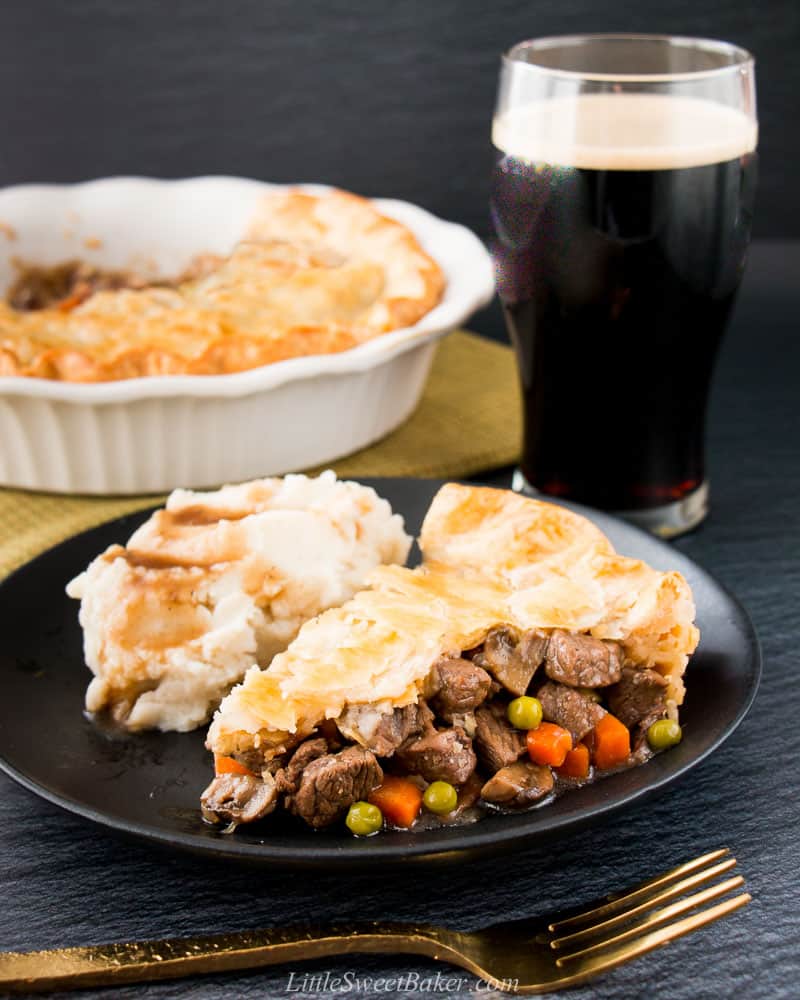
column 621, row 206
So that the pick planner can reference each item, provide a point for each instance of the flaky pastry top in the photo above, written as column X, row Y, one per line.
column 491, row 558
column 314, row 274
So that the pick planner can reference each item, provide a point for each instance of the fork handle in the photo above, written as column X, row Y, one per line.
column 140, row 961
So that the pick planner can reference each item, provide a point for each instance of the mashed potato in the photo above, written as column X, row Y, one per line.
column 217, row 582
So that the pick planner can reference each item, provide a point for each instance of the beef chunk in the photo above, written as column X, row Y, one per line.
column 238, row 798
column 394, row 729
column 569, row 708
column 512, row 658
column 582, row 661
column 289, row 779
column 446, row 755
column 460, row 687
column 382, row 733
column 330, row 784
column 518, row 785
column 639, row 697
column 497, row 741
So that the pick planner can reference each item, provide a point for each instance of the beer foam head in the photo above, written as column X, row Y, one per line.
column 626, row 131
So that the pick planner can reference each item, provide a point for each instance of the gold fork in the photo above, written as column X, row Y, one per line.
column 525, row 956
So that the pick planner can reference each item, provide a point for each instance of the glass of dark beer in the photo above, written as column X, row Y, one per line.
column 621, row 205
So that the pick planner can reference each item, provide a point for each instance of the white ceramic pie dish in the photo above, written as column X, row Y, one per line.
column 152, row 434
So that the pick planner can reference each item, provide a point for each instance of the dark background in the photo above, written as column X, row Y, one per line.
column 390, row 99
column 395, row 99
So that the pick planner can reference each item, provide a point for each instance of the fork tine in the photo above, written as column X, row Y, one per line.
column 658, row 917
column 589, row 967
column 637, row 894
column 672, row 892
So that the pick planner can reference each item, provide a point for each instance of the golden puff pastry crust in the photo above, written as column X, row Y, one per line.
column 314, row 274
column 492, row 558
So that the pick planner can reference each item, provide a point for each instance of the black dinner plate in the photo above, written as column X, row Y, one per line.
column 148, row 785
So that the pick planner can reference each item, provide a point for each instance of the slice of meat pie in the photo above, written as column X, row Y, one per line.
column 425, row 676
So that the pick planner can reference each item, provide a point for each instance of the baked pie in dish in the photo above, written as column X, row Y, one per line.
column 314, row 274
column 191, row 269
column 524, row 658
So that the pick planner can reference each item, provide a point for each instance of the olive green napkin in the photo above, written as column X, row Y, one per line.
column 468, row 421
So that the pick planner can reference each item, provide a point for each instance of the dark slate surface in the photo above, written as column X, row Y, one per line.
column 63, row 882
column 384, row 98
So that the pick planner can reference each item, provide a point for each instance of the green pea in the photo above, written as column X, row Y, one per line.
column 364, row 819
column 664, row 734
column 525, row 712
column 440, row 797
